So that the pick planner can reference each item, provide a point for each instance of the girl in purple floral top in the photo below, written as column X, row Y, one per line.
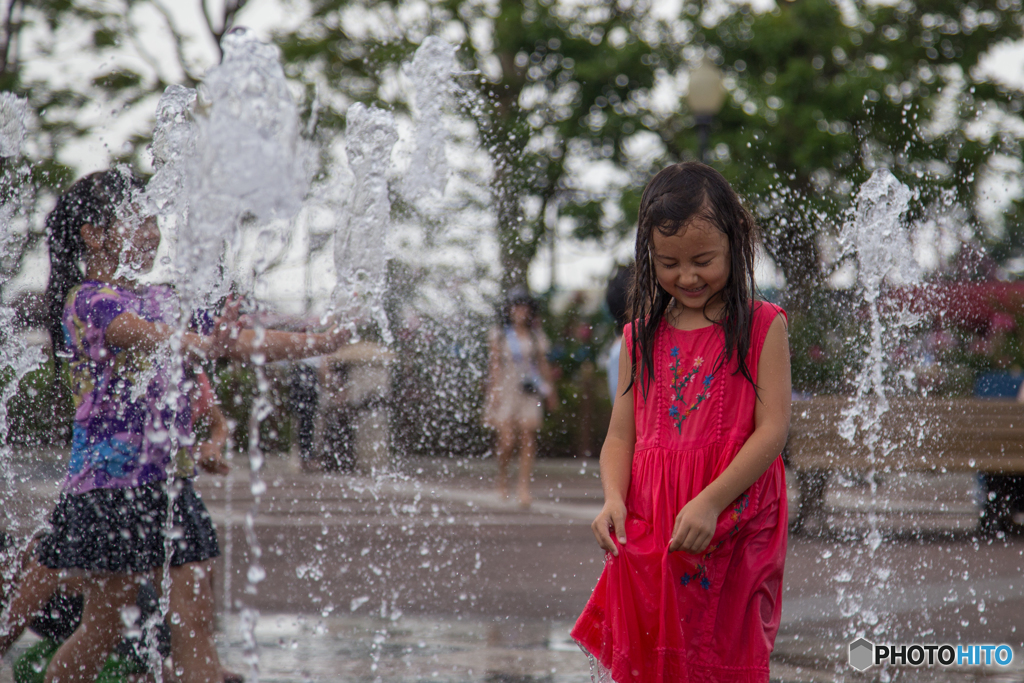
column 132, row 421
column 128, row 421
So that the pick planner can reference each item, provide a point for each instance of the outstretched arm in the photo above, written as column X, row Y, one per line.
column 276, row 345
column 130, row 331
column 617, row 463
column 695, row 523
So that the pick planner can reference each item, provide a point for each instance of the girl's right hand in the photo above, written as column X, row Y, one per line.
column 211, row 458
column 612, row 516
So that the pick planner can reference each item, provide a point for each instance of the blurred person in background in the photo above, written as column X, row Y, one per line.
column 518, row 381
column 304, row 397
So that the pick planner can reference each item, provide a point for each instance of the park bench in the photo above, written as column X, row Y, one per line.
column 925, row 435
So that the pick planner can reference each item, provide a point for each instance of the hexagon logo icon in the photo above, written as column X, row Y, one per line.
column 861, row 654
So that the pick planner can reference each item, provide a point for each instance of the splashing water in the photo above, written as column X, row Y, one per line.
column 173, row 149
column 431, row 74
column 228, row 154
column 876, row 234
column 13, row 113
column 251, row 158
column 882, row 245
column 360, row 251
column 229, row 158
column 440, row 229
column 13, row 185
column 16, row 357
column 250, row 164
column 19, row 359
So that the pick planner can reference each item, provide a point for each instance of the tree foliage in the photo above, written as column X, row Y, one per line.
column 822, row 96
column 560, row 86
column 42, row 49
column 577, row 104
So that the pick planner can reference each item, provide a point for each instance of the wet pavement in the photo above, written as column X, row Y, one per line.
column 426, row 575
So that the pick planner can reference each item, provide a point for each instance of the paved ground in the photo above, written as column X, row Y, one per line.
column 426, row 575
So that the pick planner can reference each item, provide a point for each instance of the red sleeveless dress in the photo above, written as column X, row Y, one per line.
column 656, row 617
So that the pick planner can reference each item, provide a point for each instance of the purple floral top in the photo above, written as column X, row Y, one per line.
column 131, row 409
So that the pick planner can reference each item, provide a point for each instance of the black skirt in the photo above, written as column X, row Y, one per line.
column 122, row 530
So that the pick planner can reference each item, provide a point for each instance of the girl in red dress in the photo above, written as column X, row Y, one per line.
column 694, row 520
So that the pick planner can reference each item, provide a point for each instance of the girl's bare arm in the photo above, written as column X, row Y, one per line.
column 695, row 523
column 130, row 331
column 617, row 462
column 277, row 345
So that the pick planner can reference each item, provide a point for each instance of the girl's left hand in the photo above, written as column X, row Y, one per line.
column 695, row 526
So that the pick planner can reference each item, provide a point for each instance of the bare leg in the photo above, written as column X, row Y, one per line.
column 33, row 588
column 506, row 441
column 81, row 657
column 527, row 454
column 227, row 675
column 191, row 620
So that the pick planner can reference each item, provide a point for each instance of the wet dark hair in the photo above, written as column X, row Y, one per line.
column 671, row 201
column 518, row 297
column 94, row 199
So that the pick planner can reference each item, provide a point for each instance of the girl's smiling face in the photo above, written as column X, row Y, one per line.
column 692, row 265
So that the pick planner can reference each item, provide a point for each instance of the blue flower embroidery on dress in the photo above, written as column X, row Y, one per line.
column 679, row 384
column 701, row 570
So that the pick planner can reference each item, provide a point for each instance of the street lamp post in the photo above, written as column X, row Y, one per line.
column 706, row 96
